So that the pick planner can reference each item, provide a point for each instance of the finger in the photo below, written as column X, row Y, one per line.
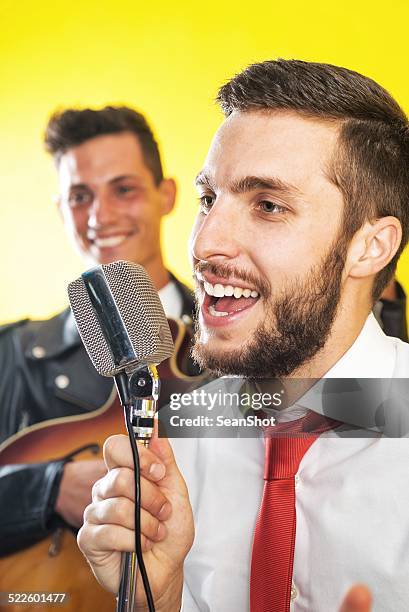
column 163, row 450
column 119, row 482
column 94, row 538
column 358, row 599
column 118, row 453
column 121, row 511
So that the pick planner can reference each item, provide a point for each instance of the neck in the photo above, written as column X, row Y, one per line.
column 345, row 330
column 352, row 312
column 157, row 271
column 343, row 334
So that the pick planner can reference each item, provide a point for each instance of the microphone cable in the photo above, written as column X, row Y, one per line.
column 138, row 545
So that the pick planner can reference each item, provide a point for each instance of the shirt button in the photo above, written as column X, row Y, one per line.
column 62, row 381
column 296, row 480
column 38, row 352
column 294, row 592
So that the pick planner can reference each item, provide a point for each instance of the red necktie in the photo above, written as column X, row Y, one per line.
column 274, row 536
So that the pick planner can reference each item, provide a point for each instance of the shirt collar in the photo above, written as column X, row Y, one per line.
column 171, row 300
column 372, row 355
column 365, row 369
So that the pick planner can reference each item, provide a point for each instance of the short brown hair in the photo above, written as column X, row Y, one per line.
column 371, row 167
column 72, row 127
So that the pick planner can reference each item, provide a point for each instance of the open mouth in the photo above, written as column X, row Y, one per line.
column 223, row 301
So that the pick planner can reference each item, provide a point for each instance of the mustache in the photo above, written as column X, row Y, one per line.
column 227, row 271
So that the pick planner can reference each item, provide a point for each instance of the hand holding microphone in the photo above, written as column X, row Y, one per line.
column 166, row 521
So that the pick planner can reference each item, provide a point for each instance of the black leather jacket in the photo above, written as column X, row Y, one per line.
column 392, row 315
column 45, row 374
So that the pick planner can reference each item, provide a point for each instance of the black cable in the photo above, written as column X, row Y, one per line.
column 138, row 546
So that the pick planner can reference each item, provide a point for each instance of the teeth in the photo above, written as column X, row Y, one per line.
column 216, row 313
column 219, row 290
column 208, row 288
column 111, row 241
column 199, row 276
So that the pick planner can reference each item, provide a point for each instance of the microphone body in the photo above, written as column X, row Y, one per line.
column 120, row 318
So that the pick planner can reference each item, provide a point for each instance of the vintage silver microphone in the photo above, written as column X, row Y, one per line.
column 124, row 329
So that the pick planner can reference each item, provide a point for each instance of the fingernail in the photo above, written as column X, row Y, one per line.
column 157, row 471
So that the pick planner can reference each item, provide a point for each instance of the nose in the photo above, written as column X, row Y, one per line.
column 102, row 212
column 217, row 236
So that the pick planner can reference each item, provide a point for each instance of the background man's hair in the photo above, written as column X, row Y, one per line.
column 371, row 164
column 72, row 127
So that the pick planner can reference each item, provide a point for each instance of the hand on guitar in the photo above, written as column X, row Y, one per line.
column 75, row 489
column 166, row 521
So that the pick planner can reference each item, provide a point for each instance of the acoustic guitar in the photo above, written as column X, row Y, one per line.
column 55, row 564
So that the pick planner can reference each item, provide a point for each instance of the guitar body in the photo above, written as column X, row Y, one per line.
column 55, row 564
column 35, row 570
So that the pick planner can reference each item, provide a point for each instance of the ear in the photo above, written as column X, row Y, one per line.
column 167, row 190
column 373, row 247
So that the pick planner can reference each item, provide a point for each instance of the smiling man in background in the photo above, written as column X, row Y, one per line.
column 113, row 197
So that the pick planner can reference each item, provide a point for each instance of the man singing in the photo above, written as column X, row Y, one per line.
column 304, row 211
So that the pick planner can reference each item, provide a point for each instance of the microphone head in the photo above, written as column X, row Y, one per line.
column 120, row 318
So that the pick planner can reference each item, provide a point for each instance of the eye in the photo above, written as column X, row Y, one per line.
column 270, row 207
column 125, row 189
column 79, row 198
column 206, row 202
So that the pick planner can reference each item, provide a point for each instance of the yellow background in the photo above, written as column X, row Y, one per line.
column 167, row 59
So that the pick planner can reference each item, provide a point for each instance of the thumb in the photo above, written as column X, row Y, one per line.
column 162, row 448
column 358, row 599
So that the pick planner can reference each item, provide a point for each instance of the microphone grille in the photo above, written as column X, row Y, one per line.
column 141, row 314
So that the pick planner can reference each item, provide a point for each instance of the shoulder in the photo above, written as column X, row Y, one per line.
column 10, row 338
column 39, row 338
column 9, row 328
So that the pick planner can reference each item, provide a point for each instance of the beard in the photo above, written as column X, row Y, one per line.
column 297, row 324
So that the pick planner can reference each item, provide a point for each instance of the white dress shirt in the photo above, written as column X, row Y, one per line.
column 171, row 300
column 352, row 504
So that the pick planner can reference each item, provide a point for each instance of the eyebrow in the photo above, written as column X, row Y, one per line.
column 124, row 177
column 251, row 183
column 79, row 186
column 112, row 181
